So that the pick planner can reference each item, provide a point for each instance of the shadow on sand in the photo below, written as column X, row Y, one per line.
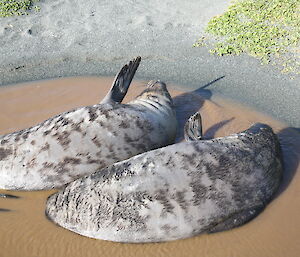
column 190, row 102
column 289, row 139
column 210, row 132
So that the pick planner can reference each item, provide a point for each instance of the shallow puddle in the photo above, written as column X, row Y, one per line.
column 25, row 231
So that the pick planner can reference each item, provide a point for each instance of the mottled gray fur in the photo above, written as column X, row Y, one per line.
column 75, row 143
column 174, row 192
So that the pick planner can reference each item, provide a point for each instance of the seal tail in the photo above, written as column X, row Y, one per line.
column 193, row 128
column 122, row 82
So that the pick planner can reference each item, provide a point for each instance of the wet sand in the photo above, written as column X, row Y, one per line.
column 25, row 231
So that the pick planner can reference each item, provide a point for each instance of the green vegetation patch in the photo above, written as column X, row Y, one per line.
column 266, row 29
column 17, row 7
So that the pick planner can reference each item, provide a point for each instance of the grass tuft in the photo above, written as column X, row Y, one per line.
column 266, row 29
column 17, row 7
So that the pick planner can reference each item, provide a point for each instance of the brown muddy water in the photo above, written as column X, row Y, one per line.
column 25, row 231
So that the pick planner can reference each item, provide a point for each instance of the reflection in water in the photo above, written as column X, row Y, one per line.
column 4, row 210
column 275, row 232
column 9, row 196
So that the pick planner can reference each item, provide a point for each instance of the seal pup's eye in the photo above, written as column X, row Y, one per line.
column 153, row 98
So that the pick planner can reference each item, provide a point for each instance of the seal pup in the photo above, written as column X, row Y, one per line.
column 75, row 143
column 178, row 191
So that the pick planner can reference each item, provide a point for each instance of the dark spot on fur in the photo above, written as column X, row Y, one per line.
column 25, row 135
column 63, row 138
column 199, row 191
column 99, row 153
column 31, row 163
column 111, row 148
column 161, row 197
column 139, row 124
column 128, row 139
column 189, row 159
column 4, row 141
column 96, row 141
column 60, row 118
column 106, row 113
column 123, row 124
column 77, row 126
column 179, row 197
column 170, row 163
column 45, row 147
column 162, row 153
column 32, row 142
column 69, row 160
column 54, row 179
column 92, row 113
column 46, row 132
column 48, row 165
column 147, row 162
column 65, row 122
column 112, row 157
column 92, row 161
column 168, row 229
column 4, row 153
column 142, row 197
column 101, row 123
column 61, row 166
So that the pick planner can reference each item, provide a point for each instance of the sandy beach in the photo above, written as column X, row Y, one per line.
column 72, row 38
column 81, row 41
column 274, row 233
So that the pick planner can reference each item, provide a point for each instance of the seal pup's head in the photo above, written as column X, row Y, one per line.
column 159, row 104
column 155, row 96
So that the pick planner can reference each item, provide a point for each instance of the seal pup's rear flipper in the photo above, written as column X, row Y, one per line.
column 121, row 82
column 193, row 128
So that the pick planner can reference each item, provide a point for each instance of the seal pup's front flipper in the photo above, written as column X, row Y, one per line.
column 193, row 128
column 122, row 82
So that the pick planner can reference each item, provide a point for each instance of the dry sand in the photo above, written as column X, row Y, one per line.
column 92, row 37
column 25, row 231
